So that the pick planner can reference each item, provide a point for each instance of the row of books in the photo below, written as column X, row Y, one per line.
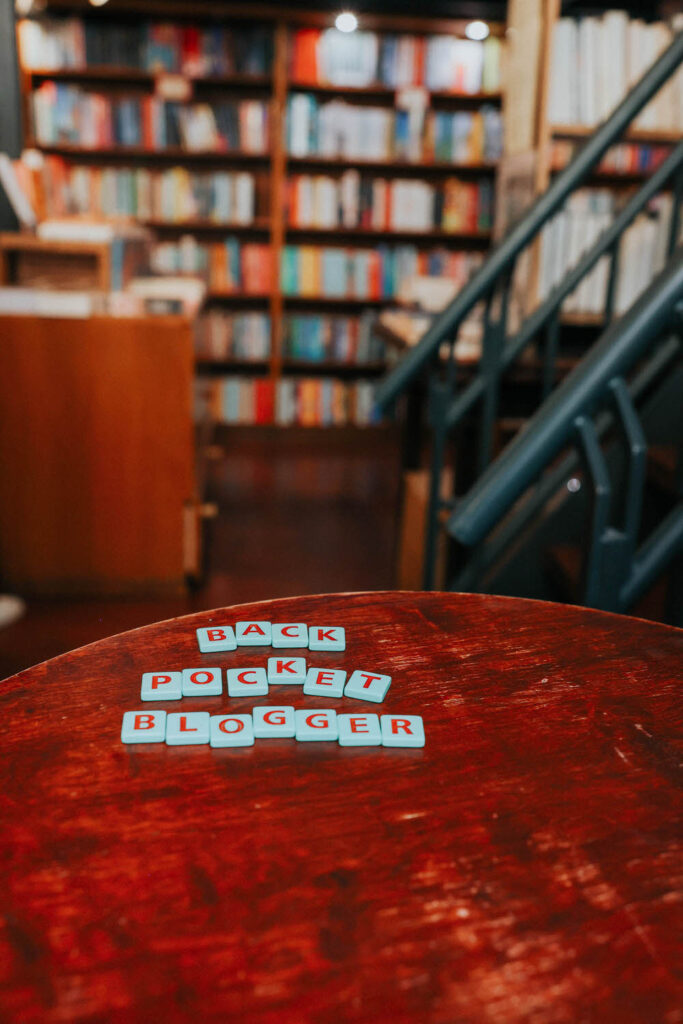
column 307, row 402
column 221, row 336
column 332, row 272
column 400, row 204
column 624, row 158
column 342, row 339
column 440, row 63
column 174, row 195
column 575, row 229
column 335, row 128
column 69, row 114
column 194, row 50
column 595, row 61
column 229, row 266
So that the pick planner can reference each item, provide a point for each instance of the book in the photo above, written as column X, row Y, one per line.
column 642, row 250
column 440, row 63
column 596, row 60
column 311, row 402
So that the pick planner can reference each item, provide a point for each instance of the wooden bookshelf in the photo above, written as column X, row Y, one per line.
column 273, row 166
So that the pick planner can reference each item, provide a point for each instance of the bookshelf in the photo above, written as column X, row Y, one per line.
column 556, row 69
column 189, row 61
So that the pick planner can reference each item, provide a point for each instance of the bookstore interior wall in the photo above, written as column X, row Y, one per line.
column 307, row 177
column 302, row 174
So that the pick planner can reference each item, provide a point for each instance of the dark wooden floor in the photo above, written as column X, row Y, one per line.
column 301, row 512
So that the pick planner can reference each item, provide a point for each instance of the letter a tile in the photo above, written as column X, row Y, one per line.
column 253, row 634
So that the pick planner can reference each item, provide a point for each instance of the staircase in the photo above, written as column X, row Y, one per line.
column 586, row 501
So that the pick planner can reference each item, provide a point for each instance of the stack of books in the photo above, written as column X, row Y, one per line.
column 642, row 252
column 221, row 336
column 337, row 129
column 53, row 44
column 339, row 339
column 228, row 266
column 625, row 158
column 58, row 189
column 595, row 61
column 440, row 63
column 69, row 114
column 320, row 402
column 330, row 272
column 396, row 204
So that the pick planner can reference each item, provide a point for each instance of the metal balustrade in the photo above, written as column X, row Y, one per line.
column 449, row 404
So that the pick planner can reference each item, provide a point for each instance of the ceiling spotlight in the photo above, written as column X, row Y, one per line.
column 346, row 21
column 98, row 3
column 477, row 30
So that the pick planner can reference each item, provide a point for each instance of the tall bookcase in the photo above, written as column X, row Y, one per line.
column 554, row 61
column 275, row 167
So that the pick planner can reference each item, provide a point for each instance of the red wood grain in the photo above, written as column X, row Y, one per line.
column 524, row 866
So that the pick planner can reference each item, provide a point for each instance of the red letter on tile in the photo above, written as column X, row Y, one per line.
column 148, row 722
column 400, row 725
column 223, row 726
column 158, row 681
column 275, row 717
column 321, row 724
column 254, row 628
column 242, row 677
column 286, row 666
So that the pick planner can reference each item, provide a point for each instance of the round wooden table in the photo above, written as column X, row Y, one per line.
column 524, row 865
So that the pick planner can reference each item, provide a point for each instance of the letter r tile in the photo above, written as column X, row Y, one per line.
column 402, row 731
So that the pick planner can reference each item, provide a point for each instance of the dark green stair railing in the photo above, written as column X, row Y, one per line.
column 593, row 398
column 491, row 285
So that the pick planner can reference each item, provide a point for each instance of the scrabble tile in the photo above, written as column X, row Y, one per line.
column 359, row 730
column 253, row 634
column 289, row 634
column 325, row 682
column 216, row 638
column 316, row 724
column 202, row 682
column 185, row 728
column 143, row 727
column 286, row 671
column 271, row 722
column 161, row 686
column 326, row 638
column 247, row 682
column 232, row 731
column 367, row 686
column 402, row 731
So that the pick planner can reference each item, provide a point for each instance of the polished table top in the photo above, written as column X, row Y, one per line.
column 525, row 865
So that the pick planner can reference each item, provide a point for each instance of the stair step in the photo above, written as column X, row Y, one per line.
column 661, row 467
column 564, row 563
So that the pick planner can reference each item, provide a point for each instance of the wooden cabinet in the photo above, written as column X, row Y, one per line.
column 96, row 454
